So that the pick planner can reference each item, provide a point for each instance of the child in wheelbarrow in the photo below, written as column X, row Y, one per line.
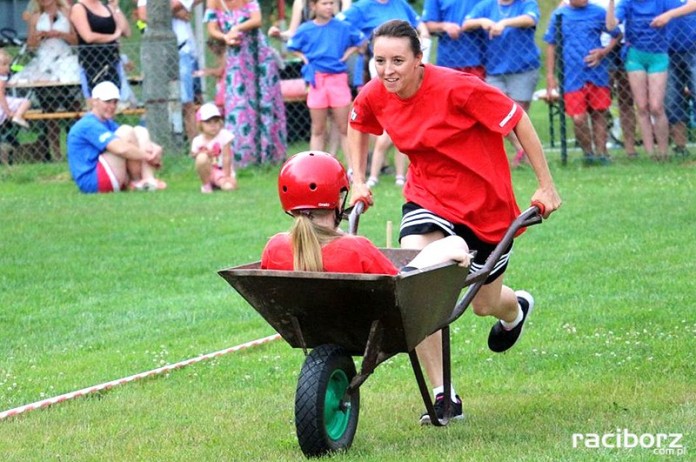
column 313, row 187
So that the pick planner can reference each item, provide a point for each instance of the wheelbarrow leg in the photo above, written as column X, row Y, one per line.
column 447, row 379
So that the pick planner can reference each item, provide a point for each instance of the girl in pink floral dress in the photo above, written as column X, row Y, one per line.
column 254, row 109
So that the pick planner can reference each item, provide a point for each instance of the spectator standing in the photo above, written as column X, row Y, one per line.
column 212, row 152
column 681, row 81
column 647, row 63
column 51, row 35
column 512, row 57
column 99, row 27
column 300, row 13
column 324, row 45
column 586, row 89
column 621, row 88
column 105, row 157
column 457, row 49
column 254, row 108
column 451, row 125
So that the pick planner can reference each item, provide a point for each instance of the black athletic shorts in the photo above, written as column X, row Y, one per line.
column 417, row 220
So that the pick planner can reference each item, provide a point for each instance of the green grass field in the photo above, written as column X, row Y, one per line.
column 94, row 288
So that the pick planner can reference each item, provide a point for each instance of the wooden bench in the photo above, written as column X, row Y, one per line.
column 40, row 115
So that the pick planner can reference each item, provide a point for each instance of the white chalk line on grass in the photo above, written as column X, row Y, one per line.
column 114, row 383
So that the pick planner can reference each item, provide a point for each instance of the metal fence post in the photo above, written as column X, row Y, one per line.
column 561, row 75
column 159, row 58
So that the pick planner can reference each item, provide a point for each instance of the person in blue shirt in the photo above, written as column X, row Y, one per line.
column 105, row 157
column 681, row 35
column 512, row 58
column 324, row 44
column 586, row 90
column 455, row 48
column 647, row 62
column 367, row 15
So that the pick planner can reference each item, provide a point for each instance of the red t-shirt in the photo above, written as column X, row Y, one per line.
column 345, row 254
column 452, row 130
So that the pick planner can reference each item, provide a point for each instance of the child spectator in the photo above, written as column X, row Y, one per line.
column 512, row 58
column 681, row 82
column 212, row 152
column 324, row 44
column 647, row 62
column 10, row 107
column 586, row 88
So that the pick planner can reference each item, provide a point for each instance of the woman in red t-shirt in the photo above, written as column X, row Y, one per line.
column 313, row 187
column 451, row 126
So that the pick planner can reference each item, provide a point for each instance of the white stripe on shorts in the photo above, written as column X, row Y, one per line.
column 420, row 216
column 115, row 185
column 501, row 261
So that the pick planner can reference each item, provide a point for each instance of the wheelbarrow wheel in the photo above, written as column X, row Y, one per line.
column 326, row 417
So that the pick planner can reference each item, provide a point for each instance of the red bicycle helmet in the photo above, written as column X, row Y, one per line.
column 312, row 180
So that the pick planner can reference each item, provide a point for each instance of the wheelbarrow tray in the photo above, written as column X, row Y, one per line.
column 309, row 309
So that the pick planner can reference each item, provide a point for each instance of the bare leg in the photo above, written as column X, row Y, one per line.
column 382, row 145
column 639, row 88
column 53, row 135
column 512, row 139
column 118, row 166
column 189, row 113
column 317, row 141
column 335, row 137
column 657, row 84
column 429, row 350
column 339, row 125
column 203, row 167
column 400, row 161
column 679, row 134
column 582, row 133
column 599, row 131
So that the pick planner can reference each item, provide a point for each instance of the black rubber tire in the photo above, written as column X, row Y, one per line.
column 325, row 375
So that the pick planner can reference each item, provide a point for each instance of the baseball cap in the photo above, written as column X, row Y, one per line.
column 106, row 91
column 207, row 112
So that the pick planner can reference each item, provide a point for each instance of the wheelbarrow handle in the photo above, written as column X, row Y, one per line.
column 354, row 217
column 531, row 216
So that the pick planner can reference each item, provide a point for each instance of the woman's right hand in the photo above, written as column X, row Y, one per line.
column 360, row 192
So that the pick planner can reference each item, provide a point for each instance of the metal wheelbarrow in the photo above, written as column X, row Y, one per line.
column 341, row 315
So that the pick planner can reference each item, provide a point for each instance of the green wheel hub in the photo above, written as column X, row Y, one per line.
column 336, row 411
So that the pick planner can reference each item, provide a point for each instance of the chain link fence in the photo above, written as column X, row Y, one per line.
column 56, row 79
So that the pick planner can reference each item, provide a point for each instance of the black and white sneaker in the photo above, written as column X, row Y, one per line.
column 455, row 409
column 500, row 339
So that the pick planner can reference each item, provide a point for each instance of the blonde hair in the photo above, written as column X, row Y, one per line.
column 307, row 239
column 34, row 7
